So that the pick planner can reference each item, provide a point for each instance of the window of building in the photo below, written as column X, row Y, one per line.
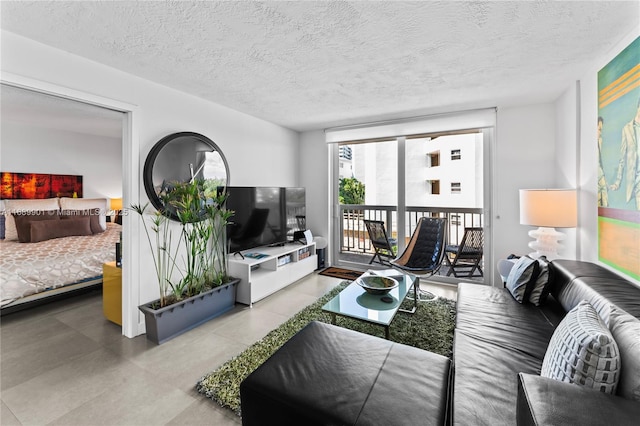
column 435, row 186
column 455, row 154
column 433, row 159
column 346, row 152
column 456, row 187
column 455, row 219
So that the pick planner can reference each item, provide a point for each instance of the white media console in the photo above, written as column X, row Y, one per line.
column 279, row 267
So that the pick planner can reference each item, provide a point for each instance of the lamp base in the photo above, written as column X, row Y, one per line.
column 546, row 243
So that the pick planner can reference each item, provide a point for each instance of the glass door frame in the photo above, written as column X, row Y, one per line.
column 488, row 187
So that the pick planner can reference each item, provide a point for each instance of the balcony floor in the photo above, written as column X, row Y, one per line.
column 360, row 261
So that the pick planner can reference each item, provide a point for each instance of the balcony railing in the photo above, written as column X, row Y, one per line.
column 355, row 245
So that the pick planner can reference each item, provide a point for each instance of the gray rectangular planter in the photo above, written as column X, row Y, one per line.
column 170, row 321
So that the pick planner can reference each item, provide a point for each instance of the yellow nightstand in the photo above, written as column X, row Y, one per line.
column 112, row 292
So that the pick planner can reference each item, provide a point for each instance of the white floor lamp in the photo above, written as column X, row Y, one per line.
column 548, row 209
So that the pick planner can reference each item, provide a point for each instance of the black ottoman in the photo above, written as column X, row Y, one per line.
column 327, row 375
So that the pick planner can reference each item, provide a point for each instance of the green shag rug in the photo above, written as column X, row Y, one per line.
column 429, row 328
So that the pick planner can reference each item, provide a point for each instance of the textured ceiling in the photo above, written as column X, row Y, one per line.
column 312, row 65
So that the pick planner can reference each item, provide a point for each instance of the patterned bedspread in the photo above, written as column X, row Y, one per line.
column 28, row 268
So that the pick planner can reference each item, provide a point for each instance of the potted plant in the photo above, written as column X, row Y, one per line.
column 192, row 269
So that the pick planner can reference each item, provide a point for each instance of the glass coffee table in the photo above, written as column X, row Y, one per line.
column 355, row 302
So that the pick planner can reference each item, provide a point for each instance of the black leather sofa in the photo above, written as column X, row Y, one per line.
column 500, row 344
column 326, row 375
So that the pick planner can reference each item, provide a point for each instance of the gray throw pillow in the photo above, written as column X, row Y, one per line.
column 626, row 331
column 521, row 278
column 583, row 351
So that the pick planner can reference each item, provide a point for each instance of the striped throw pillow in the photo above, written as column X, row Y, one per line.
column 541, row 286
column 583, row 351
column 522, row 277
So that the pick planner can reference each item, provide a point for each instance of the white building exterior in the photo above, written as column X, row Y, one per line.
column 346, row 162
column 441, row 172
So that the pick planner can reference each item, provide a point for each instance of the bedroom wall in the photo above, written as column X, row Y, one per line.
column 258, row 152
column 98, row 159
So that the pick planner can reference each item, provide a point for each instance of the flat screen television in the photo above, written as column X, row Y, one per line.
column 264, row 216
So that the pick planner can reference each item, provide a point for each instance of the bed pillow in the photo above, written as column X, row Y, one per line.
column 11, row 232
column 583, row 351
column 87, row 204
column 522, row 277
column 24, row 220
column 50, row 229
column 92, row 214
column 626, row 331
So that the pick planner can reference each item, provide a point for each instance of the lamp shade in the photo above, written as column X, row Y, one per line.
column 116, row 204
column 551, row 208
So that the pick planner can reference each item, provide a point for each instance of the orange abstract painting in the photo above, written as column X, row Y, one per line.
column 38, row 185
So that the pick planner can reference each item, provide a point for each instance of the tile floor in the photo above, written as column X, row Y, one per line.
column 64, row 364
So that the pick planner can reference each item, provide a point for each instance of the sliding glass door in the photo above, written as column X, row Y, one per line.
column 398, row 180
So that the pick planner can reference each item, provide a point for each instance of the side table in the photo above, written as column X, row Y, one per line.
column 112, row 292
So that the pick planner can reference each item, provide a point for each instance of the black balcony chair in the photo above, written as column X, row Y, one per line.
column 464, row 259
column 382, row 244
column 424, row 254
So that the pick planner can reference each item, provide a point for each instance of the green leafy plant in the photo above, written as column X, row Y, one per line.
column 351, row 191
column 163, row 252
column 203, row 219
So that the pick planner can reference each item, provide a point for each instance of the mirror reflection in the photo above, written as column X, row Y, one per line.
column 183, row 158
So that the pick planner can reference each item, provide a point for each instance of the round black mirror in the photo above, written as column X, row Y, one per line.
column 182, row 158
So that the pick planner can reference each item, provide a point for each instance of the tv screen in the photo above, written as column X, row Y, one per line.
column 264, row 216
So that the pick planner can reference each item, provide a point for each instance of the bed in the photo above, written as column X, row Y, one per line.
column 32, row 271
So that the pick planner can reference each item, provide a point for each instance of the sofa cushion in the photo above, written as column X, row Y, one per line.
column 495, row 339
column 330, row 375
column 583, row 351
column 522, row 278
column 575, row 281
column 543, row 401
column 626, row 332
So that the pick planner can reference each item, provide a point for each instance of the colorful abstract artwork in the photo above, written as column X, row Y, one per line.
column 619, row 161
column 37, row 185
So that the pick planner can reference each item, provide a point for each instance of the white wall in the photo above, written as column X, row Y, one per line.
column 314, row 176
column 566, row 165
column 524, row 158
column 258, row 152
column 98, row 159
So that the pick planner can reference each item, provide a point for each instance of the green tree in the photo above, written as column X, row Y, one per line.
column 351, row 191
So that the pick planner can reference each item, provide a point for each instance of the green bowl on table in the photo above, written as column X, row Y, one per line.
column 377, row 285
